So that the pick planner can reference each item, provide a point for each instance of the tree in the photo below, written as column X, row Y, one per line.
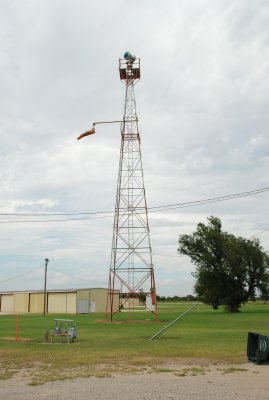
column 264, row 288
column 229, row 269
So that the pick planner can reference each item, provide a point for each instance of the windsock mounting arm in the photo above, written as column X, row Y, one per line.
column 92, row 131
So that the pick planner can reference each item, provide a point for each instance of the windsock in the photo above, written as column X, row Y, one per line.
column 87, row 133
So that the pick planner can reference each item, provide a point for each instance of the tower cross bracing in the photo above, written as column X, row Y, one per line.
column 131, row 266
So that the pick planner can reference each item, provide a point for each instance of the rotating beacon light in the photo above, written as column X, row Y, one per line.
column 129, row 57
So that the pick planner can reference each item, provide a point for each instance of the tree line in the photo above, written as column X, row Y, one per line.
column 189, row 297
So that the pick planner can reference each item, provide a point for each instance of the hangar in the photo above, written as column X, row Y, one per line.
column 71, row 301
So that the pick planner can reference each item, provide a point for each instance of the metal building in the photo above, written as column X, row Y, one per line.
column 73, row 301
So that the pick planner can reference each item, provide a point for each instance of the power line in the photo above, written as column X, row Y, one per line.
column 75, row 277
column 55, row 269
column 168, row 255
column 166, row 207
column 54, row 214
column 260, row 233
column 18, row 276
column 52, row 220
column 188, row 203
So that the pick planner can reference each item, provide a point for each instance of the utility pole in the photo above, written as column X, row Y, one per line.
column 45, row 286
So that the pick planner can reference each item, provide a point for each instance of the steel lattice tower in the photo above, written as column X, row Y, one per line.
column 131, row 266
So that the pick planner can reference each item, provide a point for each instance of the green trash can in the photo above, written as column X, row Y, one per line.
column 258, row 348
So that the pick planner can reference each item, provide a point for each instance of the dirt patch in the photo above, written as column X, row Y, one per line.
column 175, row 381
column 142, row 321
column 13, row 339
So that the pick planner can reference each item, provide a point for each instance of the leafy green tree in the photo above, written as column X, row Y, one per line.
column 264, row 288
column 256, row 262
column 229, row 269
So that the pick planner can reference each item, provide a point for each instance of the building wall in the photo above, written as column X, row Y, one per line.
column 62, row 302
column 56, row 302
column 83, row 294
column 21, row 302
column 7, row 303
column 36, row 303
column 71, row 306
column 83, row 301
column 93, row 300
column 131, row 303
column 99, row 296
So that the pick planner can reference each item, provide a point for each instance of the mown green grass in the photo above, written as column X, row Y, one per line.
column 202, row 334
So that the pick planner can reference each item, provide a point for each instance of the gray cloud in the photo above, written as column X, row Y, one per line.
column 203, row 110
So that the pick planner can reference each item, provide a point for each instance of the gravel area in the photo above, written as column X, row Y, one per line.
column 244, row 382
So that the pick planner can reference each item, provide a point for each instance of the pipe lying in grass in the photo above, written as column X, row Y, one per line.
column 171, row 323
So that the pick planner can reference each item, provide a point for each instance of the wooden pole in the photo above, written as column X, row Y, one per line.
column 45, row 286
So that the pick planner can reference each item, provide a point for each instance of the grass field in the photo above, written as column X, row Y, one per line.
column 215, row 336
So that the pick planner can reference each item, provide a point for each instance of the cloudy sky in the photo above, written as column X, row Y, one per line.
column 202, row 103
